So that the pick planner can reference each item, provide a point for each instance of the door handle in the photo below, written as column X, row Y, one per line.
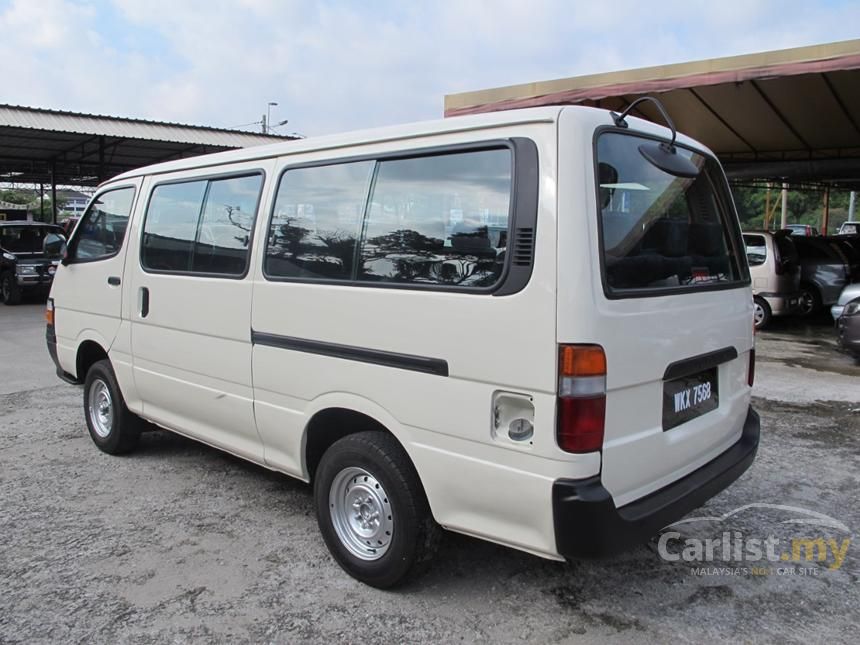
column 143, row 301
column 114, row 280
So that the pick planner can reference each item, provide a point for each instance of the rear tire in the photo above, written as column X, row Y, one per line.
column 372, row 510
column 10, row 290
column 113, row 427
column 761, row 313
column 810, row 300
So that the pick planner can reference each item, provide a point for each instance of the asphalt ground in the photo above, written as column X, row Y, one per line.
column 181, row 543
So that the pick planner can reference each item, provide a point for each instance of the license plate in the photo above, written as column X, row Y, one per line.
column 689, row 397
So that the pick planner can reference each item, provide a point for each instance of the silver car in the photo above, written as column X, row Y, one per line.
column 848, row 294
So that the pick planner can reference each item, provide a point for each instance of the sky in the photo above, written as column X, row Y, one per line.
column 338, row 65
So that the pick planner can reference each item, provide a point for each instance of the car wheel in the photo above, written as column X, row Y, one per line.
column 810, row 301
column 10, row 289
column 372, row 511
column 761, row 312
column 113, row 427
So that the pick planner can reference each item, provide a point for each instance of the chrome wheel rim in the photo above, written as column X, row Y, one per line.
column 361, row 513
column 758, row 314
column 101, row 408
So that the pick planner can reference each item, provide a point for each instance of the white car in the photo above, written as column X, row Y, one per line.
column 849, row 228
column 533, row 327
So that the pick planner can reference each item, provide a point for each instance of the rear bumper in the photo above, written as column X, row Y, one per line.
column 782, row 304
column 587, row 523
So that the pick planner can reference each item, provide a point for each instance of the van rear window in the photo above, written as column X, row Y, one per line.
column 661, row 233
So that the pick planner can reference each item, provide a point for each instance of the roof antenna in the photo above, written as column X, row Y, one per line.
column 662, row 155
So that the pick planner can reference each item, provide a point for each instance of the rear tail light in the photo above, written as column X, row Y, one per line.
column 751, row 369
column 581, row 405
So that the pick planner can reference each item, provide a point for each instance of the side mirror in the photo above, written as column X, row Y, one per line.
column 54, row 245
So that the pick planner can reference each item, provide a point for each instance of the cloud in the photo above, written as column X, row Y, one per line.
column 335, row 65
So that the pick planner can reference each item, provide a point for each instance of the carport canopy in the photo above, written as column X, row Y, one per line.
column 788, row 115
column 39, row 146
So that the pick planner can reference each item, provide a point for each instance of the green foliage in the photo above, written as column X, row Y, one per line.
column 803, row 206
column 16, row 196
column 41, row 210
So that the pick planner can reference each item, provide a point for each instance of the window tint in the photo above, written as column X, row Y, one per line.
column 225, row 226
column 756, row 249
column 661, row 232
column 317, row 220
column 201, row 226
column 171, row 226
column 26, row 239
column 101, row 231
column 438, row 220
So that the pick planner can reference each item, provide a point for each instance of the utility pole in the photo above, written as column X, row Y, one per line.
column 825, row 215
column 851, row 199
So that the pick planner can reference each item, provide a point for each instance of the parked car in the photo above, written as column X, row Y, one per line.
column 849, row 228
column 848, row 326
column 824, row 272
column 848, row 294
column 802, row 229
column 775, row 275
column 24, row 266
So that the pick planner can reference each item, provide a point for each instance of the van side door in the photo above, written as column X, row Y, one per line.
column 191, row 307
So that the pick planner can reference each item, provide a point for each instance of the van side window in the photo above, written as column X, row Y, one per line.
column 102, row 230
column 756, row 249
column 201, row 226
column 225, row 227
column 438, row 220
column 317, row 220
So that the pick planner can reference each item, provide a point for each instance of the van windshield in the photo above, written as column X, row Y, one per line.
column 661, row 233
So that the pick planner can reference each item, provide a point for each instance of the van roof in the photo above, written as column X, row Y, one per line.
column 547, row 114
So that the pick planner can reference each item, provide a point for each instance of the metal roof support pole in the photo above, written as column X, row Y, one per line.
column 42, row 202
column 101, row 159
column 54, row 192
column 766, row 207
column 851, row 201
column 825, row 213
column 784, row 220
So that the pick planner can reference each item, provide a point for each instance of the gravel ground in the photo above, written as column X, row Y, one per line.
column 179, row 542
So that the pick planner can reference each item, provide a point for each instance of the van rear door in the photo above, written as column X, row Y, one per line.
column 664, row 288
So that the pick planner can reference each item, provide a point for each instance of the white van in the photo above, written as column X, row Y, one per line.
column 515, row 326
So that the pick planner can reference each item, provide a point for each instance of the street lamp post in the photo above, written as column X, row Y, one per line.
column 268, row 119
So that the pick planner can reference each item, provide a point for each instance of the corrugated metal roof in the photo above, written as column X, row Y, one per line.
column 93, row 124
column 41, row 146
column 773, row 114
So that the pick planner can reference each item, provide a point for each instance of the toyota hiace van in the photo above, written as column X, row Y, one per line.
column 533, row 327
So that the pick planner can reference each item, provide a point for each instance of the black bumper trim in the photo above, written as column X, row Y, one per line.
column 51, row 339
column 587, row 523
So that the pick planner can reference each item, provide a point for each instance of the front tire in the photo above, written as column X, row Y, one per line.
column 113, row 427
column 10, row 289
column 372, row 510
